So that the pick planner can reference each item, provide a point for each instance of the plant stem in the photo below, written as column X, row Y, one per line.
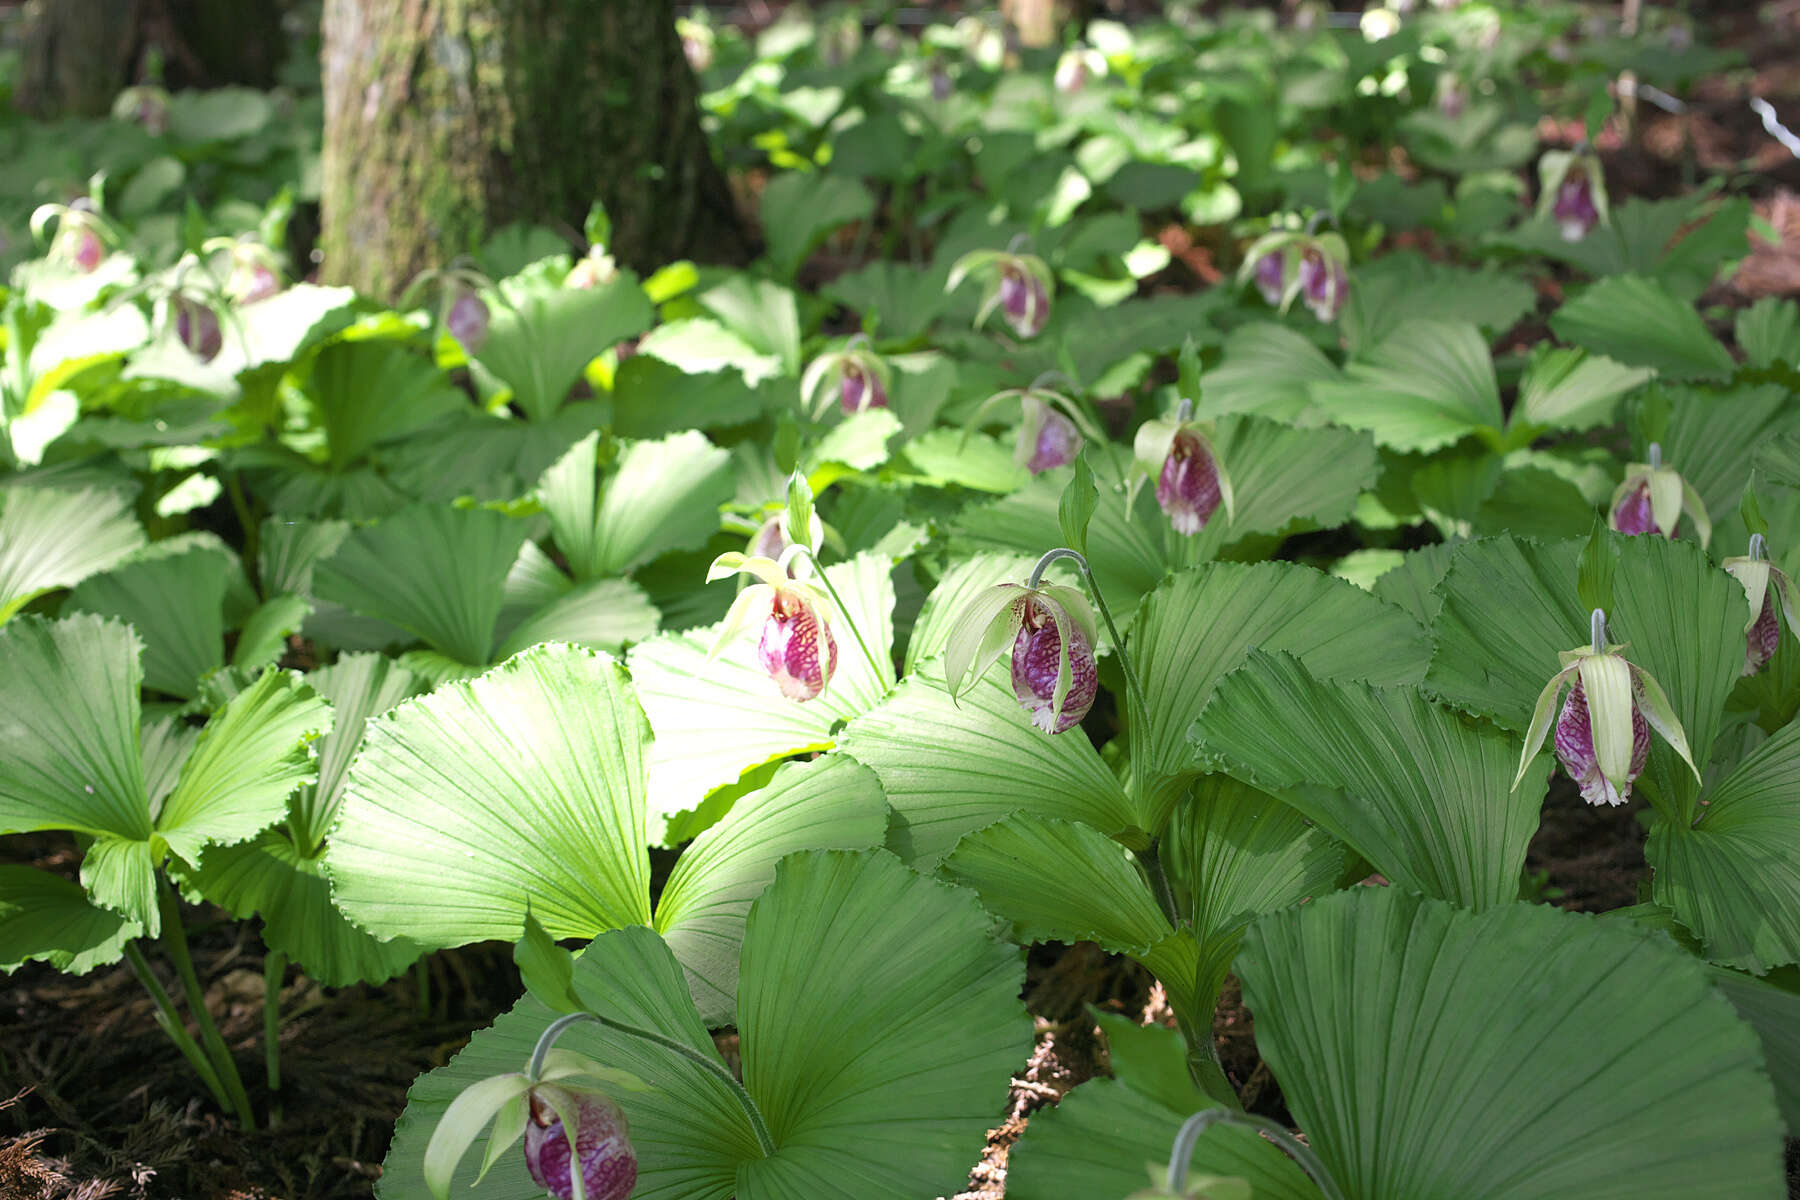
column 715, row 1068
column 274, row 966
column 175, row 945
column 1151, row 861
column 170, row 1020
column 1189, row 1135
column 240, row 504
column 1205, row 1069
column 883, row 672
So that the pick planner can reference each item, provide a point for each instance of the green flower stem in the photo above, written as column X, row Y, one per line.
column 274, row 966
column 717, row 1069
column 1151, row 862
column 883, row 671
column 170, row 1021
column 1205, row 1069
column 175, row 945
column 1188, row 1136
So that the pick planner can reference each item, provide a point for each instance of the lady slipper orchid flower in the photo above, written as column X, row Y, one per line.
column 1763, row 584
column 862, row 377
column 467, row 321
column 1050, row 628
column 1047, row 438
column 1572, row 192
column 1652, row 498
column 795, row 646
column 1286, row 263
column 1075, row 67
column 1603, row 728
column 1191, row 482
column 1020, row 285
column 558, row 1090
column 82, row 234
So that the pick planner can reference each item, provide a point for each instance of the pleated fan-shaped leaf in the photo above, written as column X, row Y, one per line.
column 878, row 1020
column 715, row 719
column 1637, row 322
column 1198, row 625
column 44, row 917
column 174, row 594
column 949, row 767
column 435, row 571
column 1426, row 385
column 659, row 496
column 1520, row 1052
column 50, row 538
column 1733, row 876
column 1423, row 793
column 541, row 335
column 1100, row 1139
column 962, row 585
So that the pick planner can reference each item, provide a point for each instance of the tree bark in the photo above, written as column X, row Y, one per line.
column 445, row 119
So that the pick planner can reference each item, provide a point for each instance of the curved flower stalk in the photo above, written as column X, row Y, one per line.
column 1076, row 67
column 1572, row 191
column 1051, row 632
column 1765, row 585
column 1174, row 1183
column 1054, row 428
column 1603, row 730
column 795, row 647
column 1191, row 481
column 1020, row 285
column 1290, row 263
column 1651, row 499
column 862, row 376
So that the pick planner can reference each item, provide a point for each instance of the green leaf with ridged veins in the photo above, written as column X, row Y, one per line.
column 345, row 376
column 1233, row 854
column 1198, row 625
column 716, row 719
column 1100, row 895
column 949, row 768
column 1411, row 586
column 1637, row 322
column 46, row 918
column 1516, row 1053
column 434, row 571
column 1267, row 370
column 828, row 804
column 69, row 753
column 659, row 496
column 536, row 777
column 800, row 207
column 601, row 614
column 1712, row 436
column 962, row 585
column 174, row 596
column 1100, row 1138
column 1426, row 385
column 53, row 539
column 1281, row 475
column 541, row 335
column 1768, row 332
column 1423, row 793
column 922, row 1005
column 359, row 686
column 252, row 755
column 1568, row 388
column 1733, row 876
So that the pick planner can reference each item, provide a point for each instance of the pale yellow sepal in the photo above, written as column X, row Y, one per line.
column 1606, row 680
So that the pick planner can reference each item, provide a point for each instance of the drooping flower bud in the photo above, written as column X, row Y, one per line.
column 859, row 389
column 1071, row 73
column 145, row 106
column 1187, row 488
column 1324, row 284
column 941, row 83
column 1191, row 482
column 696, row 42
column 608, row 1163
column 1037, row 661
column 1571, row 192
column 1047, row 438
column 1023, row 301
column 1020, row 286
column 1603, row 728
column 1271, row 276
column 1651, row 499
column 1050, row 628
column 467, row 322
column 1574, row 208
column 1452, row 97
column 197, row 327
column 795, row 645
column 1767, row 588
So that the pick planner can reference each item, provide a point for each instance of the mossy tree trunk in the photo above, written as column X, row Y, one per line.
column 446, row 119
